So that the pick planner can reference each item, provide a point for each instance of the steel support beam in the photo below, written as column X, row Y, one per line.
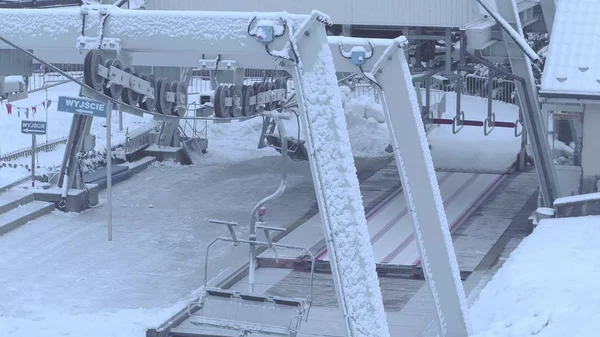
column 338, row 194
column 535, row 125
column 421, row 190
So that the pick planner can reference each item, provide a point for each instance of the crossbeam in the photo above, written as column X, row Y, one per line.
column 157, row 38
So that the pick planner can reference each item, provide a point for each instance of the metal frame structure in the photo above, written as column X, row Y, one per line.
column 307, row 54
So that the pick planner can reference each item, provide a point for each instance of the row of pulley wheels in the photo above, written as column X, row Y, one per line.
column 160, row 86
column 242, row 104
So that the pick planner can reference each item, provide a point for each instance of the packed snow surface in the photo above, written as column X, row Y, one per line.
column 59, row 276
column 548, row 286
column 345, row 222
column 10, row 175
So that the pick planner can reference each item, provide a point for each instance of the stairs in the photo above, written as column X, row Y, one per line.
column 18, row 208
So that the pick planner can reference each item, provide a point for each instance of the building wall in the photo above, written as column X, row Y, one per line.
column 426, row 13
column 591, row 147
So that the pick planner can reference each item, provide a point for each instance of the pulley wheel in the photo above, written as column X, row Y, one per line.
column 269, row 87
column 260, row 88
column 281, row 83
column 237, row 97
column 180, row 106
column 173, row 88
column 221, row 94
column 149, row 104
column 93, row 59
column 129, row 96
column 87, row 70
column 114, row 90
column 247, row 108
column 162, row 105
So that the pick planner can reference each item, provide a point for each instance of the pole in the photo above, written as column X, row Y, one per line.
column 46, row 108
column 120, row 119
column 109, row 170
column 33, row 152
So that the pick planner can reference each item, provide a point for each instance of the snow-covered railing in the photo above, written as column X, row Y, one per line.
column 27, row 152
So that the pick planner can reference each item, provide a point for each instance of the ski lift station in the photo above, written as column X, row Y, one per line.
column 183, row 168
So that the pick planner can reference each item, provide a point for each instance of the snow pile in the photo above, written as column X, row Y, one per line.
column 366, row 124
column 348, row 237
column 234, row 142
column 548, row 286
column 9, row 174
column 123, row 323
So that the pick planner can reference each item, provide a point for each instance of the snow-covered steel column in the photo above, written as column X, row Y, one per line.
column 336, row 184
column 421, row 190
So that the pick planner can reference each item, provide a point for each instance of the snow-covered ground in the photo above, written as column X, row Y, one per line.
column 548, row 286
column 59, row 276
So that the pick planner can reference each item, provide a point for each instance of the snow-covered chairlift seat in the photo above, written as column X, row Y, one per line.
column 250, row 313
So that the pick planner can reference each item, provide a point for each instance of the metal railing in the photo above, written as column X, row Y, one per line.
column 474, row 85
column 43, row 78
column 27, row 152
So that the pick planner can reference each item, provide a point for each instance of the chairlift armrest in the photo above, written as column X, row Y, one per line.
column 221, row 222
column 219, row 292
column 271, row 228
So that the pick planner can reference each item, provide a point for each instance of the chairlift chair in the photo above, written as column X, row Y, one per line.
column 223, row 311
column 296, row 148
column 247, row 313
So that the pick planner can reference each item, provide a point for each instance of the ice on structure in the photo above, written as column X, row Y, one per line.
column 347, row 226
column 277, row 25
column 576, row 198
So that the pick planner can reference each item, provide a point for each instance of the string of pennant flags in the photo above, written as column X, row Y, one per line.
column 10, row 108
